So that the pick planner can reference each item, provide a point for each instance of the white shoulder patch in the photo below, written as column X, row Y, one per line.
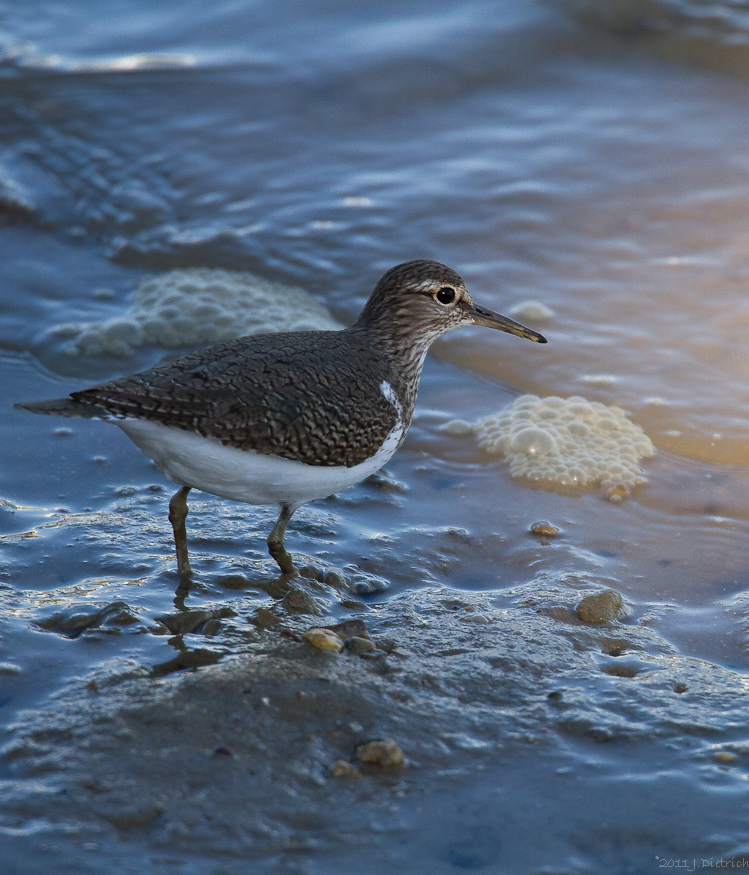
column 388, row 393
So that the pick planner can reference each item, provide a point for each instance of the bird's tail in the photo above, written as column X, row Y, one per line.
column 64, row 407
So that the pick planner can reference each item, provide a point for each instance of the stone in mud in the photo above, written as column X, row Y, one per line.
column 725, row 757
column 381, row 753
column 323, row 639
column 343, row 769
column 185, row 622
column 73, row 621
column 297, row 601
column 545, row 529
column 335, row 579
column 349, row 629
column 186, row 659
column 364, row 583
column 312, row 572
column 478, row 619
column 356, row 581
column 601, row 607
column 265, row 618
column 357, row 645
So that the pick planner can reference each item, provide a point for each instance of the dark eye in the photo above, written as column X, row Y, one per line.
column 445, row 295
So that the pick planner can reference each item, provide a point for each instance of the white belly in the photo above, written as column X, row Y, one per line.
column 204, row 463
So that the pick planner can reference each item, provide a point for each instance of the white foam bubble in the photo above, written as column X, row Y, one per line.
column 457, row 427
column 570, row 442
column 531, row 311
column 194, row 306
column 599, row 379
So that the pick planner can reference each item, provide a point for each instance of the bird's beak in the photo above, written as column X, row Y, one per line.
column 482, row 316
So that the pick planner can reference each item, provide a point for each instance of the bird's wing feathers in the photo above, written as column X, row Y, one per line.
column 302, row 395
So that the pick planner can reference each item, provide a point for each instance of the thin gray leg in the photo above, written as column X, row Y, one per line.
column 275, row 542
column 177, row 517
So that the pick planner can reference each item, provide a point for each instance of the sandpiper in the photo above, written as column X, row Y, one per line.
column 286, row 418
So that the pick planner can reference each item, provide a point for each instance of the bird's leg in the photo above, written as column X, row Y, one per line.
column 275, row 541
column 177, row 516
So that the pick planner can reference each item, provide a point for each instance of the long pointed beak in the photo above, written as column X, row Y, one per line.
column 483, row 316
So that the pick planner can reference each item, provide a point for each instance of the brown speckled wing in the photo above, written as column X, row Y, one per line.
column 312, row 397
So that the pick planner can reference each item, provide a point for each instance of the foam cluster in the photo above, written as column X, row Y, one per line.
column 532, row 311
column 197, row 306
column 567, row 441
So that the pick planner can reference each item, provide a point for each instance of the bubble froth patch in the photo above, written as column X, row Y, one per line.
column 567, row 441
column 532, row 311
column 197, row 306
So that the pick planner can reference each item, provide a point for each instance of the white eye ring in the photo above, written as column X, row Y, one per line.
column 445, row 295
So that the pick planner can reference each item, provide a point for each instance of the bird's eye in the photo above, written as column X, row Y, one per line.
column 445, row 295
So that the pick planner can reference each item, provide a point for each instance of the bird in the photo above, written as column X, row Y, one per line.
column 288, row 417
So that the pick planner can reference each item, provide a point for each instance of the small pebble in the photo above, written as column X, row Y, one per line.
column 343, row 769
column 122, row 618
column 381, row 753
column 349, row 629
column 73, row 621
column 382, row 480
column 363, row 583
column 548, row 530
column 357, row 645
column 334, row 579
column 353, row 605
column 297, row 601
column 63, row 432
column 725, row 757
column 601, row 607
column 9, row 668
column 265, row 618
column 478, row 619
column 323, row 639
column 185, row 622
column 312, row 572
column 187, row 659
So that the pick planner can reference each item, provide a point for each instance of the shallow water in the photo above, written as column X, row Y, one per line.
column 601, row 168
